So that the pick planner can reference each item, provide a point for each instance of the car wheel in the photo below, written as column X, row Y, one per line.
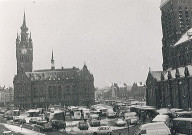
column 94, row 133
column 109, row 133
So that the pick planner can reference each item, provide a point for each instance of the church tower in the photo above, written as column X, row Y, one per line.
column 176, row 19
column 24, row 50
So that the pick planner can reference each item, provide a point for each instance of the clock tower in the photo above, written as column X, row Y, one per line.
column 24, row 50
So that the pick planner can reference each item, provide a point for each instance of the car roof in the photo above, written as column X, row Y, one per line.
column 183, row 119
column 157, row 125
column 161, row 118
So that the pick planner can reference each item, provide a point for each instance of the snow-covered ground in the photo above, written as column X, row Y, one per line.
column 23, row 131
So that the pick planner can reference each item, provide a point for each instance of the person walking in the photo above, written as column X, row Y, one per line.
column 21, row 126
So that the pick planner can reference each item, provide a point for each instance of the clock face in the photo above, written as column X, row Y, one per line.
column 24, row 51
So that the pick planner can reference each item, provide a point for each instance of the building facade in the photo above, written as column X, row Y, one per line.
column 40, row 88
column 138, row 90
column 6, row 96
column 172, row 87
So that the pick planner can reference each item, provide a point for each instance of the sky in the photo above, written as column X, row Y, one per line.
column 117, row 39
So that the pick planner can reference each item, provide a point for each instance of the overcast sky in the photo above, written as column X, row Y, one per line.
column 118, row 39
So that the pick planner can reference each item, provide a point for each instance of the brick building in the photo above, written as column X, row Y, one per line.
column 172, row 87
column 40, row 88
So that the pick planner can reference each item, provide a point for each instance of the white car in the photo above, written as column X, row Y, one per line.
column 120, row 122
column 103, row 130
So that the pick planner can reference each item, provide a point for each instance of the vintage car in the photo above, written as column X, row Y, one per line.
column 94, row 122
column 43, row 125
column 82, row 125
column 182, row 126
column 159, row 128
column 120, row 122
column 33, row 120
column 103, row 130
column 16, row 118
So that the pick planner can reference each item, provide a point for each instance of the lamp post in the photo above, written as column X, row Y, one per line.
column 128, row 121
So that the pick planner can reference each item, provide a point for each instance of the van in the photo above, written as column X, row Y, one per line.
column 162, row 118
column 159, row 128
column 182, row 125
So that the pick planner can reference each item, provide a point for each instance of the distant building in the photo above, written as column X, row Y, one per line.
column 117, row 91
column 138, row 90
column 9, row 96
column 6, row 96
column 40, row 88
column 172, row 87
column 2, row 96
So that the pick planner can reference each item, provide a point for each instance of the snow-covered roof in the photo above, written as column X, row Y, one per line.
column 163, row 2
column 156, row 75
column 183, row 119
column 33, row 110
column 156, row 125
column 140, row 84
column 184, row 37
column 161, row 118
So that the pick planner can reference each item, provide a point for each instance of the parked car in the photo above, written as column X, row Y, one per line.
column 16, row 118
column 182, row 126
column 94, row 122
column 103, row 130
column 58, row 124
column 184, row 114
column 159, row 128
column 162, row 118
column 43, row 126
column 120, row 122
column 22, row 120
column 82, row 125
column 110, row 113
column 131, row 117
column 33, row 120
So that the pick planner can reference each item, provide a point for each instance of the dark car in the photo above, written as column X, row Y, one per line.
column 94, row 122
column 82, row 125
column 33, row 120
column 58, row 124
column 44, row 126
column 22, row 120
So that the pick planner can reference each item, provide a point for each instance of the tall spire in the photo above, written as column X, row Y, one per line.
column 52, row 55
column 24, row 27
column 52, row 62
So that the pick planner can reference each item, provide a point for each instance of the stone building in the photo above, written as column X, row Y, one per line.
column 40, row 88
column 138, row 90
column 6, row 96
column 172, row 87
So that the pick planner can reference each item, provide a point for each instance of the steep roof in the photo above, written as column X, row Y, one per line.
column 163, row 2
column 57, row 74
column 156, row 74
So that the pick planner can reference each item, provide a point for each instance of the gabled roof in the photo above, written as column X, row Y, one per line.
column 163, row 2
column 156, row 74
column 184, row 37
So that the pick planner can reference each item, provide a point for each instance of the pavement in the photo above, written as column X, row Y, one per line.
column 23, row 131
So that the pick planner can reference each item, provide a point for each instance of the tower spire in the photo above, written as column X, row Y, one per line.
column 24, row 27
column 52, row 62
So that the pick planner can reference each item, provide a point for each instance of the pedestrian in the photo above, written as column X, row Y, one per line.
column 21, row 126
column 64, row 126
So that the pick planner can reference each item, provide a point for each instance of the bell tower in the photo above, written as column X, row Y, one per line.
column 24, row 49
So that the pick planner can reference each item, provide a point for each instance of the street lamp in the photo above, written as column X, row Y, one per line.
column 128, row 121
